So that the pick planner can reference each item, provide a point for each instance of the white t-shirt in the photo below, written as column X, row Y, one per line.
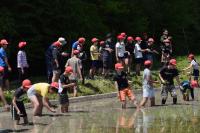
column 195, row 65
column 146, row 75
column 137, row 52
column 121, row 49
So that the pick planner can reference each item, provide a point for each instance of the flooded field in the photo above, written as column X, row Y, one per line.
column 106, row 116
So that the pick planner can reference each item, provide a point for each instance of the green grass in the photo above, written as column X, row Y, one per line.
column 101, row 85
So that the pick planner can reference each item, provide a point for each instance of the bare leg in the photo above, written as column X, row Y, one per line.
column 144, row 101
column 123, row 104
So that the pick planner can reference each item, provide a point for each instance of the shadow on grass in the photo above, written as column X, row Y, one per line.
column 90, row 86
column 14, row 131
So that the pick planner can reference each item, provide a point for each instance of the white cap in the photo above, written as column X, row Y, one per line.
column 62, row 40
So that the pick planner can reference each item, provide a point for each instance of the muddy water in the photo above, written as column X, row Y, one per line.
column 106, row 116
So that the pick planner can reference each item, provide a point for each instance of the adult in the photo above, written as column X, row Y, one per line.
column 167, row 75
column 106, row 52
column 38, row 95
column 166, row 50
column 50, row 62
column 150, row 50
column 164, row 36
column 144, row 45
column 22, row 63
column 4, row 62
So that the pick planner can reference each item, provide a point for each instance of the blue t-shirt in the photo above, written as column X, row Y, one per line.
column 2, row 57
column 77, row 46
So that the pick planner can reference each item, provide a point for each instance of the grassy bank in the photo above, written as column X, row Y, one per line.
column 102, row 85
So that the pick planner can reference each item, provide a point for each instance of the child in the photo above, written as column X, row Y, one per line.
column 2, row 97
column 94, row 52
column 120, row 50
column 188, row 86
column 64, row 83
column 121, row 83
column 22, row 63
column 18, row 109
column 193, row 64
column 148, row 91
column 38, row 95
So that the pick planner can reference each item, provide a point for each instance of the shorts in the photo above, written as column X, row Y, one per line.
column 6, row 73
column 196, row 74
column 31, row 92
column 107, row 63
column 22, row 109
column 148, row 91
column 63, row 99
column 126, row 92
column 95, row 64
column 138, row 60
column 168, row 88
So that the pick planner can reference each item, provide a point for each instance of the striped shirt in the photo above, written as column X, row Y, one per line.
column 21, row 59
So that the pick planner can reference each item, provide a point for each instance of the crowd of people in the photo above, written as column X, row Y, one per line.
column 104, row 56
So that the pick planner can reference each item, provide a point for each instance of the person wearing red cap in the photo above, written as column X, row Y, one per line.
column 194, row 65
column 22, row 63
column 4, row 63
column 188, row 85
column 122, row 85
column 76, row 65
column 95, row 55
column 120, row 49
column 38, row 95
column 148, row 90
column 138, row 55
column 166, row 49
column 64, row 85
column 167, row 75
column 129, row 46
column 2, row 97
column 18, row 109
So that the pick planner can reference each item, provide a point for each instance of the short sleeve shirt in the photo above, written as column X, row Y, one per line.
column 74, row 63
column 2, row 56
column 121, row 49
column 106, row 53
column 169, row 74
column 121, row 80
column 19, row 93
column 42, row 88
column 93, row 50
column 146, row 75
column 64, row 80
column 195, row 65
column 77, row 46
column 137, row 52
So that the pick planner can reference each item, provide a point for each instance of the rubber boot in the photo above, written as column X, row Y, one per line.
column 163, row 101
column 174, row 100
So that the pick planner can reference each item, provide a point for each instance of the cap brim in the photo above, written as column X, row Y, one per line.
column 28, row 86
column 120, row 67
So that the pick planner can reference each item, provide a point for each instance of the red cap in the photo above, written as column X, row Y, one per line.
column 120, row 37
column 130, row 38
column 54, row 84
column 172, row 62
column 147, row 62
column 191, row 56
column 57, row 44
column 166, row 41
column 118, row 66
column 21, row 44
column 94, row 40
column 102, row 43
column 150, row 40
column 76, row 52
column 81, row 40
column 4, row 42
column 1, row 69
column 194, row 84
column 123, row 34
column 26, row 83
column 68, row 69
column 138, row 39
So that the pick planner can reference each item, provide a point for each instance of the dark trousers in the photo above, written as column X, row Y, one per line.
column 23, row 76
